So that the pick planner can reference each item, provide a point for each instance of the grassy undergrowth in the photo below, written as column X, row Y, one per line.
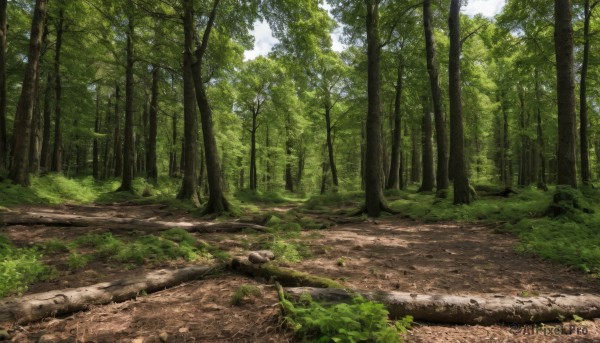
column 358, row 321
column 20, row 267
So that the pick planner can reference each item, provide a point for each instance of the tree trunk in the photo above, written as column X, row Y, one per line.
column 565, row 86
column 106, row 163
column 217, row 203
column 19, row 172
column 374, row 199
column 118, row 145
column 415, row 159
column 34, row 138
column 471, row 310
column 45, row 157
column 57, row 155
column 34, row 307
column 96, row 144
column 332, row 165
column 436, row 96
column 190, row 123
column 151, row 167
column 173, row 153
column 506, row 161
column 253, row 177
column 3, row 137
column 394, row 174
column 583, row 116
column 427, row 133
column 540, row 134
column 289, row 178
column 462, row 193
column 129, row 144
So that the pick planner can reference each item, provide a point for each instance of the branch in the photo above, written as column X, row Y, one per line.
column 204, row 45
column 462, row 41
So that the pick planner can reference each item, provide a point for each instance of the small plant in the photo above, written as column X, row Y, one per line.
column 341, row 262
column 246, row 293
column 19, row 268
column 286, row 252
column 77, row 261
column 577, row 318
column 359, row 321
column 55, row 246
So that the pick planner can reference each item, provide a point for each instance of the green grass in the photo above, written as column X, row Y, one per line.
column 19, row 268
column 245, row 293
column 357, row 321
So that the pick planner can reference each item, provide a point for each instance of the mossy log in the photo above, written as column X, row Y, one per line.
column 285, row 276
column 37, row 306
column 473, row 310
column 149, row 225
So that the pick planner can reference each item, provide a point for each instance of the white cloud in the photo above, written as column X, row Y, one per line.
column 488, row 8
column 263, row 41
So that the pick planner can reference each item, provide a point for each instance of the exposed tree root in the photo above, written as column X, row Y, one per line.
column 38, row 306
column 473, row 310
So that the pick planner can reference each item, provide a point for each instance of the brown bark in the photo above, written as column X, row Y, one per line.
column 34, row 307
column 289, row 178
column 128, row 143
column 583, row 108
column 462, row 194
column 374, row 199
column 253, row 174
column 3, row 137
column 36, row 120
column 217, row 203
column 151, row 167
column 394, row 179
column 96, row 143
column 19, row 172
column 45, row 157
column 57, row 155
column 565, row 85
column 330, row 154
column 118, row 145
column 173, row 152
column 190, row 136
column 436, row 96
column 428, row 178
column 472, row 310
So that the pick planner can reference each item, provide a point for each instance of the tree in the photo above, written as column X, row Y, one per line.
column 395, row 177
column 57, row 155
column 462, row 192
column 151, row 167
column 565, row 86
column 3, row 32
column 19, row 172
column 428, row 178
column 436, row 95
column 128, row 146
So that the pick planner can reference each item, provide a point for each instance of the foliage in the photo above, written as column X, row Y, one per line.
column 358, row 321
column 245, row 293
column 20, row 267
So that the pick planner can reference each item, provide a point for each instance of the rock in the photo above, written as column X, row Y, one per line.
column 48, row 338
column 267, row 254
column 163, row 336
column 184, row 329
column 257, row 258
column 137, row 340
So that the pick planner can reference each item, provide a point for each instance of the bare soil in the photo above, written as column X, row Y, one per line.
column 387, row 254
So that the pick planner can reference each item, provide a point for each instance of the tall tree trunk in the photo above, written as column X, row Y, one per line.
column 565, row 86
column 462, row 192
column 253, row 177
column 374, row 198
column 96, row 143
column 394, row 181
column 173, row 152
column 332, row 165
column 289, row 178
column 268, row 160
column 106, row 163
column 3, row 137
column 540, row 134
column 34, row 138
column 118, row 145
column 583, row 108
column 506, row 160
column 58, row 148
column 19, row 172
column 45, row 154
column 190, row 123
column 428, row 179
column 128, row 146
column 415, row 159
column 151, row 167
column 436, row 96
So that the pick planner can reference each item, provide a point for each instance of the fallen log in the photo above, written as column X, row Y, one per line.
column 285, row 276
column 34, row 307
column 472, row 310
column 70, row 220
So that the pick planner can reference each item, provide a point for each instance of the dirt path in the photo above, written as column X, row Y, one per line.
column 390, row 254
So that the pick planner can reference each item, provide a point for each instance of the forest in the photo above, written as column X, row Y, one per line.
column 386, row 171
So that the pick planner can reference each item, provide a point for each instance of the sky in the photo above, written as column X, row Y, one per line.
column 264, row 40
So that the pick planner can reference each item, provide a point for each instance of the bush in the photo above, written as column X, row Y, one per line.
column 19, row 268
column 359, row 321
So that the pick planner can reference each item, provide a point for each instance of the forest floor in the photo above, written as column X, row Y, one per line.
column 385, row 254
